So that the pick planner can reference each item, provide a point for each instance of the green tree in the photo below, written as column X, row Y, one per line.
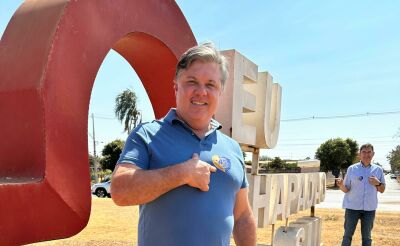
column 126, row 109
column 336, row 154
column 353, row 157
column 394, row 159
column 111, row 153
column 276, row 163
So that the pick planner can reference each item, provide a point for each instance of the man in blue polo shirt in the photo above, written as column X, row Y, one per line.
column 187, row 176
column 362, row 182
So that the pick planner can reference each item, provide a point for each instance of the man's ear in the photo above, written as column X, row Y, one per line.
column 175, row 86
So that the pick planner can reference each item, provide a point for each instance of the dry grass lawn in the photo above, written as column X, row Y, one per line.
column 113, row 225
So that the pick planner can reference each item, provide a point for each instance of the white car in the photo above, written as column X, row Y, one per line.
column 102, row 189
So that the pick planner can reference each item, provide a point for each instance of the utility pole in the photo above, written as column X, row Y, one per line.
column 94, row 152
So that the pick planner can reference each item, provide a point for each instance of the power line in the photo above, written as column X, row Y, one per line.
column 307, row 139
column 109, row 117
column 342, row 116
column 311, row 144
column 104, row 117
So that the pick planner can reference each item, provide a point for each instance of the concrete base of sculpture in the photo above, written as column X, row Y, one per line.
column 316, row 224
column 308, row 233
column 289, row 236
column 305, row 231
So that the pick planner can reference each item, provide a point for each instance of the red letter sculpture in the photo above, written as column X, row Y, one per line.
column 50, row 54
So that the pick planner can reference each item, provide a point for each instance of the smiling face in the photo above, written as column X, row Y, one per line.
column 198, row 89
column 366, row 155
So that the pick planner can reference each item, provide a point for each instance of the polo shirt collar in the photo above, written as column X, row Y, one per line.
column 172, row 118
column 362, row 165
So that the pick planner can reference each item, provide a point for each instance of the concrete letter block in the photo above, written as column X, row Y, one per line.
column 277, row 198
column 293, row 193
column 259, row 197
column 266, row 118
column 235, row 101
column 321, row 187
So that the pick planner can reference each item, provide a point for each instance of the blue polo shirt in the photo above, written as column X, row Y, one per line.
column 185, row 215
column 362, row 195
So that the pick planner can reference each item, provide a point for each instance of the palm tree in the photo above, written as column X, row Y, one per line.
column 126, row 110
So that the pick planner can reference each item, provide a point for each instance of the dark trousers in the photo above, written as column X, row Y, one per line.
column 350, row 223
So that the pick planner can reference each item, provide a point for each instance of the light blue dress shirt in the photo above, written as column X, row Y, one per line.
column 362, row 195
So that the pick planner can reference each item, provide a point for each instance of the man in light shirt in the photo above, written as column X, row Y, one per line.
column 361, row 185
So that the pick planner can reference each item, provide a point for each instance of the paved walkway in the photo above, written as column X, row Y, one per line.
column 387, row 201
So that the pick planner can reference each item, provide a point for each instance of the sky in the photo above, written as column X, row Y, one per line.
column 338, row 60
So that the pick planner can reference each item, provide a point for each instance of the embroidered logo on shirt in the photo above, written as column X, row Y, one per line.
column 222, row 163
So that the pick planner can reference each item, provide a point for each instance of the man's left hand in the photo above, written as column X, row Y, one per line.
column 373, row 180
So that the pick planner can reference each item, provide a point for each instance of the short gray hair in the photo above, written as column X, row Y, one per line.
column 205, row 52
column 366, row 146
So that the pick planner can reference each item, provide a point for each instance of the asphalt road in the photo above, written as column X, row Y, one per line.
column 387, row 201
